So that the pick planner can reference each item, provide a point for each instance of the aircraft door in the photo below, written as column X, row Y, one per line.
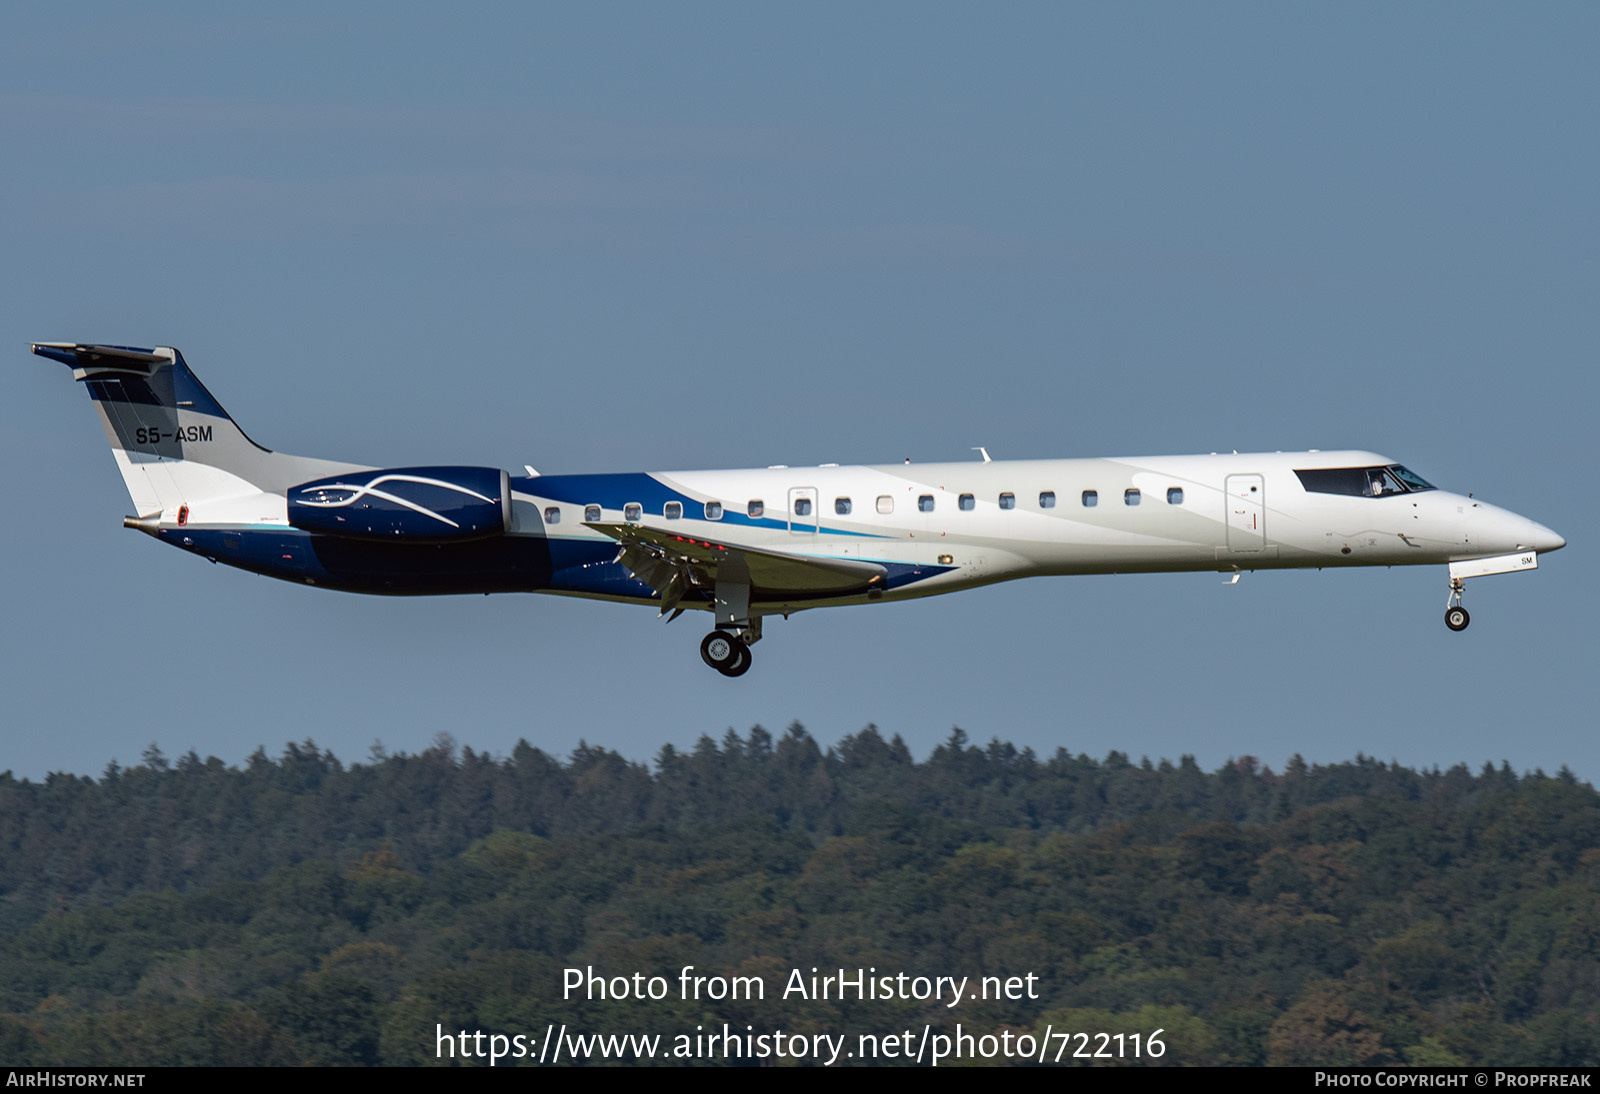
column 1247, row 514
column 803, row 511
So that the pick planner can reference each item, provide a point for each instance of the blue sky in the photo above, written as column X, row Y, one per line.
column 644, row 237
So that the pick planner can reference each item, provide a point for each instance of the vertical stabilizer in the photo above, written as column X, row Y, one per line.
column 177, row 449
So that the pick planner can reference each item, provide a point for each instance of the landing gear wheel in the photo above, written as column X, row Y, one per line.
column 720, row 650
column 1457, row 618
column 741, row 666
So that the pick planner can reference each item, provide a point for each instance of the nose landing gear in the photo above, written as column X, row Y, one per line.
column 1455, row 616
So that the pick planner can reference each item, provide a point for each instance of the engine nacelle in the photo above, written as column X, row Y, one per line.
column 406, row 504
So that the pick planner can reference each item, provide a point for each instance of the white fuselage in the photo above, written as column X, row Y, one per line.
column 981, row 522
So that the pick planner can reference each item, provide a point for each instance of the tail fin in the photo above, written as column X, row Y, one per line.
column 177, row 449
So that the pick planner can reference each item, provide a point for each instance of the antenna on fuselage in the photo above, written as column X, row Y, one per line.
column 982, row 451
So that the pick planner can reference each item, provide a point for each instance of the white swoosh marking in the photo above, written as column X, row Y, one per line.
column 362, row 491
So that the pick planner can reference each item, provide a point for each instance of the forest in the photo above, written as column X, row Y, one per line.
column 300, row 910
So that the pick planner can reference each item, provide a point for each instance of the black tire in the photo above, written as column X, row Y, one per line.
column 1457, row 618
column 720, row 650
column 742, row 665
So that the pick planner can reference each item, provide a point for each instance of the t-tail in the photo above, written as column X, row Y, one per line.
column 181, row 456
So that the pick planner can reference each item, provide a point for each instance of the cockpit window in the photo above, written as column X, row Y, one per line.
column 1412, row 480
column 1380, row 482
column 1365, row 482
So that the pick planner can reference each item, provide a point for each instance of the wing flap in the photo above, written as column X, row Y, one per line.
column 671, row 564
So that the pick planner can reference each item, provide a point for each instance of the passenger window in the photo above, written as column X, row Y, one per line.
column 925, row 503
column 841, row 506
column 1130, row 496
column 1091, row 498
column 632, row 511
column 1008, row 501
column 885, row 504
column 755, row 508
column 1174, row 495
column 672, row 510
column 1047, row 499
column 552, row 515
column 591, row 513
column 965, row 501
column 713, row 510
column 802, row 507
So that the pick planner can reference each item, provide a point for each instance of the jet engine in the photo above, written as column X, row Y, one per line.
column 405, row 504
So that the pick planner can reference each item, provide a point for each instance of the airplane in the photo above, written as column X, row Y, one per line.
column 747, row 544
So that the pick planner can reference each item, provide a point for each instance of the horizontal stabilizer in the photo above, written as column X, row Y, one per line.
column 120, row 358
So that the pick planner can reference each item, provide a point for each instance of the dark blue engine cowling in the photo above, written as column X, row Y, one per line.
column 406, row 504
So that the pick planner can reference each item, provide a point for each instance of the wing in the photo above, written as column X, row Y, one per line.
column 673, row 565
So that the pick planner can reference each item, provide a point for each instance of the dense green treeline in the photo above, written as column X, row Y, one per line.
column 301, row 911
column 193, row 822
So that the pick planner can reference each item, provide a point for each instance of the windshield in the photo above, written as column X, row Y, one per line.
column 1412, row 480
column 1365, row 482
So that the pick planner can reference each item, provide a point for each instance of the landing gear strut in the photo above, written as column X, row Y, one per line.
column 1455, row 616
column 727, row 649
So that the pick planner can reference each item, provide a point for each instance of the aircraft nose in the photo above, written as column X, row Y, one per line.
column 1503, row 531
column 1543, row 540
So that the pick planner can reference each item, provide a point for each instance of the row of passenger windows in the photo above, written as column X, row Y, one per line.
column 673, row 510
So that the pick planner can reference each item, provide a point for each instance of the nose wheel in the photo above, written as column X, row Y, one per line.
column 1455, row 616
column 726, row 653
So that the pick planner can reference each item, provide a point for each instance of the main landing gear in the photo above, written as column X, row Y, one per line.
column 1455, row 616
column 727, row 653
column 727, row 649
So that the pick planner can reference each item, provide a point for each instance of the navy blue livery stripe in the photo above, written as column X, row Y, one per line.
column 505, row 564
